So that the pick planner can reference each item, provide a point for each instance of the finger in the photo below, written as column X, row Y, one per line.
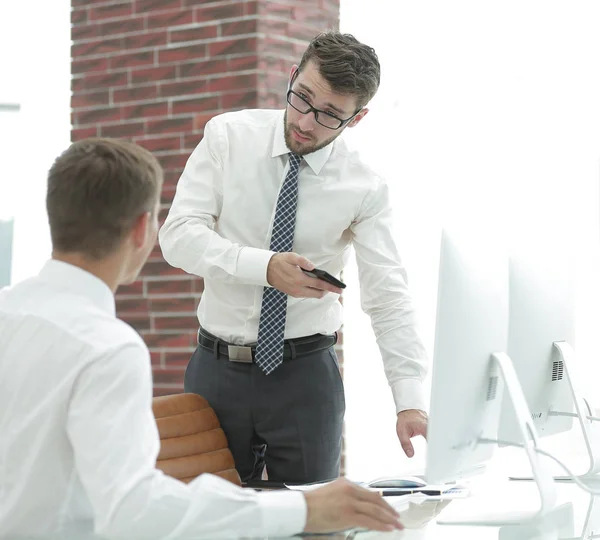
column 317, row 283
column 406, row 443
column 374, row 497
column 380, row 517
column 302, row 262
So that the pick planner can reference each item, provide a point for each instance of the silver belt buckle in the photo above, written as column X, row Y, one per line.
column 239, row 354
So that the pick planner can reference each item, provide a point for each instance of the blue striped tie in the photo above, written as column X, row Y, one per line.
column 271, row 327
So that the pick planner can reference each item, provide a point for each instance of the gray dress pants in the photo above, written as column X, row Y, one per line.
column 290, row 420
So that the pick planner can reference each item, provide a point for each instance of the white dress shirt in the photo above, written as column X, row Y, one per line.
column 78, row 440
column 219, row 228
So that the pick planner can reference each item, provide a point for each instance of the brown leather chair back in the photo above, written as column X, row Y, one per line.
column 191, row 439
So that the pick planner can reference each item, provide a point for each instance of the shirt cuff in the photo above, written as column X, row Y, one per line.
column 252, row 265
column 283, row 512
column 409, row 394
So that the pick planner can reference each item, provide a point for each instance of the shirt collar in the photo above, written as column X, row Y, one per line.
column 79, row 281
column 316, row 160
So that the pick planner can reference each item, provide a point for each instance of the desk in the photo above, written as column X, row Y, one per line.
column 577, row 517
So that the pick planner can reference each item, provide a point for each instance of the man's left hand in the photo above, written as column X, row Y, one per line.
column 411, row 423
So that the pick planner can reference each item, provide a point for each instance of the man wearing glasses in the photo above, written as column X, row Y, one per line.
column 266, row 196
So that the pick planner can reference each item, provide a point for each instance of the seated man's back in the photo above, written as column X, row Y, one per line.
column 54, row 329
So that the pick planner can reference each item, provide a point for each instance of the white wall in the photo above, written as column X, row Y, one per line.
column 35, row 72
column 487, row 112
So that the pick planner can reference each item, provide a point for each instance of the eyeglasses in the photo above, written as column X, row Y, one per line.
column 326, row 119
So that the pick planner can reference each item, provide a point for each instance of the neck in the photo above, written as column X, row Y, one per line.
column 107, row 269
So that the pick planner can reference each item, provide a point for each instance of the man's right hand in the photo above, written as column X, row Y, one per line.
column 343, row 505
column 284, row 273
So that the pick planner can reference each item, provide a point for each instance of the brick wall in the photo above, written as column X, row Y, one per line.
column 155, row 71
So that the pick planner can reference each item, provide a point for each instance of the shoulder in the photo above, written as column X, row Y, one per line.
column 351, row 163
column 248, row 118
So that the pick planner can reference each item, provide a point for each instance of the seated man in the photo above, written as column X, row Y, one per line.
column 78, row 441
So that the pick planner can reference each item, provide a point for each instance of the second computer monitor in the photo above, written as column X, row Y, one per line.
column 541, row 312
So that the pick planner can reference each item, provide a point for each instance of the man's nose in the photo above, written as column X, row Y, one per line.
column 307, row 121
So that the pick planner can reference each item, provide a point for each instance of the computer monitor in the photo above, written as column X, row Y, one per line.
column 541, row 346
column 471, row 370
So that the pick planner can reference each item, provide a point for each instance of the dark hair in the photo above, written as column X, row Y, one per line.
column 97, row 188
column 349, row 66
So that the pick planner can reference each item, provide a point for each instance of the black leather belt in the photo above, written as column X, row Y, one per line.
column 291, row 347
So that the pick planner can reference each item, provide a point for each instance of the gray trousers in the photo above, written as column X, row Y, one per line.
column 290, row 420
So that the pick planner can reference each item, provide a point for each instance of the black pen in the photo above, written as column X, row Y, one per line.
column 409, row 491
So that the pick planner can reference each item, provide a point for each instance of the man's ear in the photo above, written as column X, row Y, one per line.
column 139, row 231
column 358, row 118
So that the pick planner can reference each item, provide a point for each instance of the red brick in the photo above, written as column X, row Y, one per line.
column 175, row 323
column 146, row 109
column 89, row 65
column 137, row 322
column 123, row 26
column 139, row 93
column 301, row 31
column 280, row 47
column 139, row 76
column 79, row 16
column 135, row 288
column 191, row 140
column 180, row 54
column 120, row 61
column 101, row 80
column 96, row 47
column 156, row 5
column 203, row 68
column 111, row 11
column 98, row 116
column 84, row 31
column 200, row 120
column 236, row 28
column 141, row 41
column 167, row 194
column 167, row 376
column 140, row 306
column 123, row 129
column 173, row 305
column 181, row 88
column 177, row 359
column 242, row 63
column 216, row 13
column 90, row 99
column 199, row 285
column 281, row 11
column 160, row 268
column 251, row 7
column 83, row 133
column 161, row 144
column 155, row 340
column 173, row 162
column 167, row 390
column 169, row 125
column 209, row 103
column 169, row 287
column 240, row 100
column 156, row 358
column 193, row 34
column 232, row 46
column 169, row 19
column 232, row 82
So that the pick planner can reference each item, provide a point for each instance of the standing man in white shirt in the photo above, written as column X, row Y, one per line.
column 264, row 196
column 78, row 440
